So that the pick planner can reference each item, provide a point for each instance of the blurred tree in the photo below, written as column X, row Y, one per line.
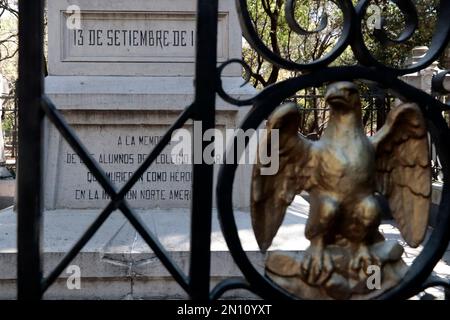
column 8, row 38
column 394, row 23
column 268, row 17
column 270, row 23
column 8, row 70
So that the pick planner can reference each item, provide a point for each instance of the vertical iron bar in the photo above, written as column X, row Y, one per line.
column 202, row 185
column 30, row 89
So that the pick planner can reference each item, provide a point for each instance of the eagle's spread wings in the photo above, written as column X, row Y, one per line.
column 272, row 194
column 403, row 170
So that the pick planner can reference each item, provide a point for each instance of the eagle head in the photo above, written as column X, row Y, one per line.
column 343, row 96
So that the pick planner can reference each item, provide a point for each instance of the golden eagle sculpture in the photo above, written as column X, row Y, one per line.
column 350, row 178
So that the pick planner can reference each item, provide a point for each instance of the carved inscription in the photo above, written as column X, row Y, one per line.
column 134, row 37
column 166, row 184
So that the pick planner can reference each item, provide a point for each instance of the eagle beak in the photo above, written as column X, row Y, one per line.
column 337, row 99
column 342, row 95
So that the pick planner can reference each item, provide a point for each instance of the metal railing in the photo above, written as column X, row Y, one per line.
column 315, row 115
column 34, row 106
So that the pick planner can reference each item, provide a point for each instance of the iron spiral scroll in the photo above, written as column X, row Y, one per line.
column 315, row 74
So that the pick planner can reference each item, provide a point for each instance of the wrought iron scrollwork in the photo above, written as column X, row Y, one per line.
column 289, row 10
column 229, row 284
column 439, row 41
column 221, row 91
column 437, row 83
column 352, row 35
column 251, row 35
column 267, row 101
column 34, row 106
column 316, row 74
column 411, row 22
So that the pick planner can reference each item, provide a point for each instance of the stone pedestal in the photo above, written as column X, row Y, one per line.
column 343, row 283
column 118, row 264
column 423, row 78
column 121, row 73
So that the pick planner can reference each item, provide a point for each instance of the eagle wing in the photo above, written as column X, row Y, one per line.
column 403, row 171
column 272, row 194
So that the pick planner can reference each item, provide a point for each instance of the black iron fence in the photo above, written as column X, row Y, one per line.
column 315, row 114
column 376, row 106
column 440, row 90
column 34, row 106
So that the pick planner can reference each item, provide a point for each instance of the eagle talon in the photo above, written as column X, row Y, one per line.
column 363, row 259
column 316, row 266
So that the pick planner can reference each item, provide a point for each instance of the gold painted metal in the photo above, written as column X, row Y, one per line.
column 348, row 176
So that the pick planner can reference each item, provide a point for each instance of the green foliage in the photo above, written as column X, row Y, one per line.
column 269, row 19
column 399, row 55
column 9, row 40
column 270, row 23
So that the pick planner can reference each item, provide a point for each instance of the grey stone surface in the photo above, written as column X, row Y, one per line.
column 121, row 98
column 4, row 172
column 436, row 197
column 135, row 37
column 7, row 192
column 134, row 93
column 117, row 264
column 436, row 194
column 120, row 141
column 422, row 79
column 118, row 257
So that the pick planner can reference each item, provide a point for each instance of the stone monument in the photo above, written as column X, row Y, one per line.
column 121, row 72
